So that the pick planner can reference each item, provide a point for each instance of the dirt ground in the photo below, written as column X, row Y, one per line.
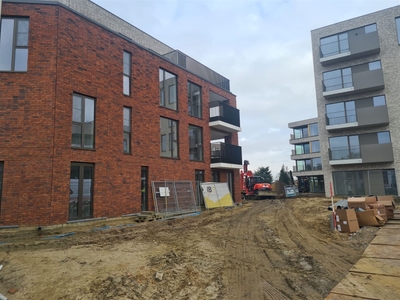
column 273, row 249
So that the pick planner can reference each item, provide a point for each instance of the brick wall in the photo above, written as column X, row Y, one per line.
column 69, row 54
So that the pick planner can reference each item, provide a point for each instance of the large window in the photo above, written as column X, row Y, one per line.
column 168, row 138
column 368, row 182
column 344, row 147
column 314, row 129
column 83, row 121
column 195, row 143
column 14, row 44
column 167, row 86
column 300, row 132
column 1, row 179
column 334, row 44
column 127, row 112
column 194, row 100
column 302, row 148
column 127, row 66
column 337, row 79
column 315, row 147
column 309, row 164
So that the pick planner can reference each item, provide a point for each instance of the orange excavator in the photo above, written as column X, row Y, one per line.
column 254, row 187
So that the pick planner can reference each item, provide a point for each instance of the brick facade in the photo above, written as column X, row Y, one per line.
column 70, row 54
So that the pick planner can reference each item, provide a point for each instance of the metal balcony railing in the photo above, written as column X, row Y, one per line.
column 220, row 111
column 226, row 153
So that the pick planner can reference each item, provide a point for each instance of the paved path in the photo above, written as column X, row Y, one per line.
column 377, row 274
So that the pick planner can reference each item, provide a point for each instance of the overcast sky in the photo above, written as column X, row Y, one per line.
column 262, row 47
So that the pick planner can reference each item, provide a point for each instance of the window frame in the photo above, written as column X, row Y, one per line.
column 15, row 46
column 82, row 123
column 198, row 154
column 126, row 132
column 169, row 136
column 167, row 90
column 191, row 87
column 127, row 74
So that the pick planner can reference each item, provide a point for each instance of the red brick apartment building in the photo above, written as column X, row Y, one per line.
column 92, row 110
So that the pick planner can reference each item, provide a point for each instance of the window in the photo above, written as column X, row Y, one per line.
column 127, row 113
column 316, row 163
column 337, row 79
column 14, row 44
column 370, row 28
column 83, row 121
column 300, row 132
column 398, row 29
column 314, row 129
column 127, row 66
column 302, row 148
column 1, row 179
column 315, row 147
column 168, row 138
column 384, row 137
column 375, row 65
column 194, row 100
column 334, row 44
column 167, row 84
column 361, row 183
column 195, row 143
column 303, row 165
column 81, row 191
column 344, row 147
column 379, row 100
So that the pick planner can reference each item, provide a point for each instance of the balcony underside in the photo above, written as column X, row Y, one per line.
column 222, row 165
column 220, row 129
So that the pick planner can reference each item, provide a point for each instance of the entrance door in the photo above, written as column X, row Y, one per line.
column 80, row 191
column 144, row 188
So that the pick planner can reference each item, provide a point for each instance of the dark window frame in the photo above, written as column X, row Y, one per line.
column 127, row 130
column 127, row 72
column 82, row 122
column 191, row 100
column 171, row 133
column 198, row 154
column 80, row 197
column 15, row 46
column 165, row 90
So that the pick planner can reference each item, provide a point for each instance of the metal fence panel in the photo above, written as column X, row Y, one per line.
column 173, row 197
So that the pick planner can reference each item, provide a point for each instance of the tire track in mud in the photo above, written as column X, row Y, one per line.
column 250, row 264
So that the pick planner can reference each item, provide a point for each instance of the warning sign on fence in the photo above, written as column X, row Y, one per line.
column 216, row 194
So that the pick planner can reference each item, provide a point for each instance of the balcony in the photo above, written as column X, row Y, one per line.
column 224, row 120
column 226, row 156
column 361, row 117
column 353, row 44
column 372, row 153
column 356, row 82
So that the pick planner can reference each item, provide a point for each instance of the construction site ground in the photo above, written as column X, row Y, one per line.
column 265, row 249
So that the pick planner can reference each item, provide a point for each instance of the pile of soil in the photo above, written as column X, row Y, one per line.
column 269, row 249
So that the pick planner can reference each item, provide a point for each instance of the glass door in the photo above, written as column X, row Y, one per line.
column 144, row 188
column 80, row 191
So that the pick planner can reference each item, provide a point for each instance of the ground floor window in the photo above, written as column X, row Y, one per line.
column 311, row 184
column 81, row 191
column 368, row 182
